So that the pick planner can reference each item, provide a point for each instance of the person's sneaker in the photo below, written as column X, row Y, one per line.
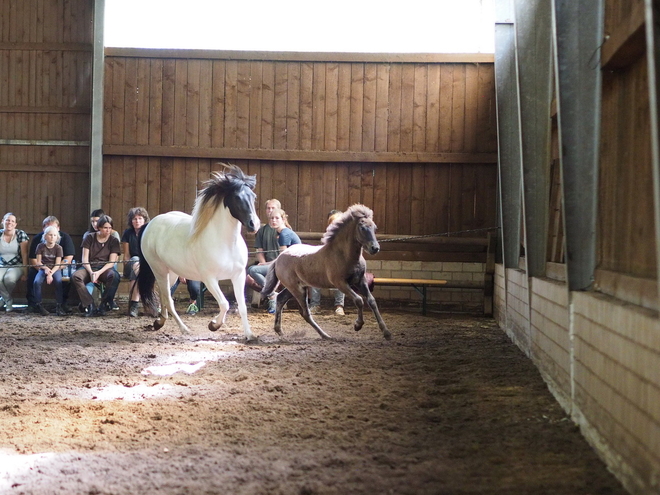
column 133, row 309
column 314, row 310
column 339, row 311
column 42, row 311
column 192, row 309
column 113, row 306
column 272, row 306
column 9, row 305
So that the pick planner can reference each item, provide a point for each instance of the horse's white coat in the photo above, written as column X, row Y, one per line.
column 218, row 253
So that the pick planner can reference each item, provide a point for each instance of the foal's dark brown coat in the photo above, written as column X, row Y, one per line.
column 338, row 262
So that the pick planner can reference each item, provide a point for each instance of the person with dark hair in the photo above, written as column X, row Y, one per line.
column 93, row 220
column 136, row 219
column 68, row 252
column 100, row 252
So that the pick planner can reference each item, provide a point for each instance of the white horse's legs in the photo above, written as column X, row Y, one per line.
column 238, row 281
column 219, row 320
column 167, row 304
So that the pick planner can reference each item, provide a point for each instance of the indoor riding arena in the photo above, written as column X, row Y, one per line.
column 516, row 195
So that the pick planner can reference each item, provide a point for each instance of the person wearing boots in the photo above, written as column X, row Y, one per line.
column 136, row 219
column 100, row 251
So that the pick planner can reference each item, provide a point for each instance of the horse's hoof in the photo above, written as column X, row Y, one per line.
column 213, row 326
column 358, row 327
column 158, row 325
column 387, row 335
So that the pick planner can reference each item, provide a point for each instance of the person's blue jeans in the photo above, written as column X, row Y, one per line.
column 40, row 279
column 316, row 297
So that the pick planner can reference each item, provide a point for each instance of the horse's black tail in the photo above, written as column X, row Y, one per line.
column 146, row 281
column 271, row 281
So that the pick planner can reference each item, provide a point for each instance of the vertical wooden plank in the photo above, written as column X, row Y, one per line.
column 118, row 107
column 357, row 106
column 280, row 106
column 471, row 107
column 341, row 201
column 486, row 121
column 369, row 108
column 156, row 102
column 343, row 107
column 305, row 196
column 391, row 225
column 432, row 108
column 419, row 107
column 231, row 103
column 446, row 99
column 141, row 181
column 407, row 106
column 255, row 104
column 192, row 103
column 130, row 102
column 243, row 105
column 153, row 186
column 458, row 109
column 107, row 99
column 367, row 187
column 318, row 106
column 306, row 105
column 291, row 190
column 180, row 97
column 166, row 184
column 127, row 198
column 354, row 184
column 205, row 102
column 218, row 104
column 379, row 205
column 293, row 106
column 382, row 104
column 169, row 77
column 418, row 190
column 328, row 197
column 267, row 120
column 331, row 105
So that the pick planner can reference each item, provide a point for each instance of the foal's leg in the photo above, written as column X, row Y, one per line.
column 371, row 301
column 282, row 298
column 300, row 293
column 359, row 304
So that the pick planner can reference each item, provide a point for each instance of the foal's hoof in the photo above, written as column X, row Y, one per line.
column 158, row 325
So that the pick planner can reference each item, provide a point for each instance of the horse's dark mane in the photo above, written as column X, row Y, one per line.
column 216, row 189
column 356, row 211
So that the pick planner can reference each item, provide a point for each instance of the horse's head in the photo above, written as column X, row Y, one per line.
column 366, row 235
column 241, row 207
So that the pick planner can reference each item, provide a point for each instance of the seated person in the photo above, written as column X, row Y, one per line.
column 100, row 251
column 48, row 263
column 194, row 291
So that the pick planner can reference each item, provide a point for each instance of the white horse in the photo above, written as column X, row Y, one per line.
column 207, row 246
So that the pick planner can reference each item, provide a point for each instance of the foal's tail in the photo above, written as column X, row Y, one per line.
column 271, row 281
column 146, row 281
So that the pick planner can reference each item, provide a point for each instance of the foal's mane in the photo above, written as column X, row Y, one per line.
column 355, row 212
column 216, row 189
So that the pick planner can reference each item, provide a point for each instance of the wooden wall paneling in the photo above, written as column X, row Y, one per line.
column 469, row 200
column 485, row 132
column 141, row 182
column 354, row 184
column 357, row 106
column 446, row 101
column 318, row 107
column 318, row 198
column 394, row 118
column 218, row 104
column 180, row 167
column 168, row 111
column 419, row 107
column 404, row 207
column 379, row 204
column 367, row 186
column 458, row 109
column 407, row 106
column 306, row 196
column 155, row 102
column 129, row 190
column 331, row 106
column 382, row 104
column 343, row 106
column 391, row 218
column 165, row 190
column 329, row 197
column 471, row 106
column 432, row 108
column 268, row 117
column 243, row 105
column 280, row 102
column 417, row 198
column 205, row 103
column 485, row 185
column 306, row 105
column 255, row 105
column 341, row 191
column 130, row 107
column 191, row 172
column 117, row 126
column 278, row 188
column 193, row 103
column 27, row 210
column 180, row 102
column 4, row 76
column 33, row 78
column 293, row 108
column 152, row 202
column 369, row 107
column 231, row 104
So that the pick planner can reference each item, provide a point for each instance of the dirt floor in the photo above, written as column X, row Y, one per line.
column 448, row 406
